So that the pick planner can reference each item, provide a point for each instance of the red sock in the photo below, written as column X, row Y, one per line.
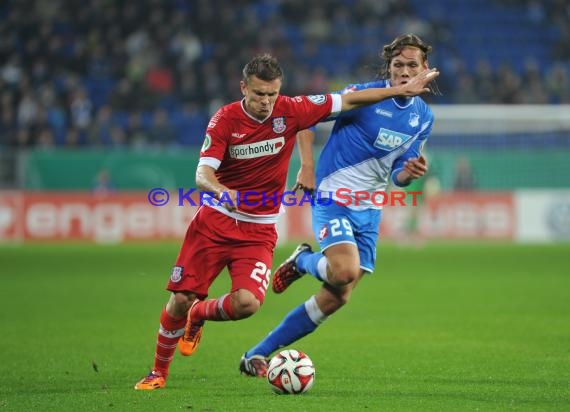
column 214, row 309
column 171, row 329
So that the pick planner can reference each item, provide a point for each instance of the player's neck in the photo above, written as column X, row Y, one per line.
column 402, row 101
column 251, row 115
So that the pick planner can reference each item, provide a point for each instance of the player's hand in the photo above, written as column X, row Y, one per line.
column 416, row 168
column 229, row 199
column 305, row 180
column 419, row 83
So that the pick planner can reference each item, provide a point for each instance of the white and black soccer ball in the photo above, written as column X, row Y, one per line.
column 291, row 372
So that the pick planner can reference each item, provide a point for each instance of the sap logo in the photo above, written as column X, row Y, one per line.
column 238, row 135
column 389, row 139
column 259, row 149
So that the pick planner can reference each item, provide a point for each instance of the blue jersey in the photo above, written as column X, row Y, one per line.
column 370, row 144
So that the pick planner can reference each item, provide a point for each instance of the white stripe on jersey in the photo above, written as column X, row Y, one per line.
column 371, row 175
column 210, row 161
column 336, row 104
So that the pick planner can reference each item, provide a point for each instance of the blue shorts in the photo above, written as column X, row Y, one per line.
column 334, row 224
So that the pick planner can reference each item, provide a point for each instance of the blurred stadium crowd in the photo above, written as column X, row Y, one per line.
column 149, row 73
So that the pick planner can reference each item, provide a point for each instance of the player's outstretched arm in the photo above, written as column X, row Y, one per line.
column 306, row 176
column 417, row 85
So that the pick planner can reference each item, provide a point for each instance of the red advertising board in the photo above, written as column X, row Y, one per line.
column 84, row 216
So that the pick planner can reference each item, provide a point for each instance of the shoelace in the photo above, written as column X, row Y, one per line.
column 259, row 367
column 194, row 329
column 151, row 376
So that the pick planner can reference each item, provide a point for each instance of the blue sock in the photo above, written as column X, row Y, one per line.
column 307, row 262
column 294, row 326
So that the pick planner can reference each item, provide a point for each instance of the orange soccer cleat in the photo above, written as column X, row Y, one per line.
column 188, row 344
column 152, row 381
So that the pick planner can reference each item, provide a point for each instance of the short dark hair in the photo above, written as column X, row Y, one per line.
column 389, row 51
column 263, row 66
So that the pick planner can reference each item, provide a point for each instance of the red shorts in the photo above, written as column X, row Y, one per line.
column 214, row 241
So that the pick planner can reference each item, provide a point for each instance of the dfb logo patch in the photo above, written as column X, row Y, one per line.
column 317, row 99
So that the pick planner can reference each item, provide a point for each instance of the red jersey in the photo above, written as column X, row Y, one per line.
column 252, row 156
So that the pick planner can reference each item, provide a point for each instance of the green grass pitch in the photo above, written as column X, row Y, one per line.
column 448, row 327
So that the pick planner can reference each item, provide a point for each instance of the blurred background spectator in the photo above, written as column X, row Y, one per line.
column 151, row 72
column 464, row 176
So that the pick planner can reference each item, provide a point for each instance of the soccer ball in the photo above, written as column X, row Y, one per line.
column 291, row 372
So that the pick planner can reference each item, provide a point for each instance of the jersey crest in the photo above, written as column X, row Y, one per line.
column 279, row 124
column 414, row 120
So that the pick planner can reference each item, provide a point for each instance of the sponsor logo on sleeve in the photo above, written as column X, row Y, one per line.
column 207, row 143
column 317, row 99
column 214, row 120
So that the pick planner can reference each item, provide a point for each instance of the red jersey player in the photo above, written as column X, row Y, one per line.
column 243, row 163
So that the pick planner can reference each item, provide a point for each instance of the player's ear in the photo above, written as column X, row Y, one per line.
column 242, row 87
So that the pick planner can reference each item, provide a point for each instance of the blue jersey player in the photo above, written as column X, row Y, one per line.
column 367, row 148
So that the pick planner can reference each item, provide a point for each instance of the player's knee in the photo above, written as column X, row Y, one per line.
column 179, row 303
column 344, row 275
column 245, row 305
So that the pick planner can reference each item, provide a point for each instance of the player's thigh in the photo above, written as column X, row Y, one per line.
column 203, row 254
column 366, row 226
column 343, row 257
column 331, row 226
column 251, row 260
